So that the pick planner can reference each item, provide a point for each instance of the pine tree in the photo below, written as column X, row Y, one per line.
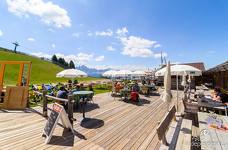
column 61, row 61
column 71, row 64
column 54, row 58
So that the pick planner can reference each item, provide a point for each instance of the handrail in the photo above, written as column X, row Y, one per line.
column 56, row 98
column 69, row 102
column 37, row 92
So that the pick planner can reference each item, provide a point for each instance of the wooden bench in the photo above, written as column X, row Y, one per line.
column 178, row 132
column 185, row 135
column 164, row 125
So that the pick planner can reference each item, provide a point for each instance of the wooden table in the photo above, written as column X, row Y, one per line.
column 213, row 105
column 83, row 95
column 211, row 138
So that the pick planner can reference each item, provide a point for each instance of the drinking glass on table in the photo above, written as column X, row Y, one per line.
column 219, row 122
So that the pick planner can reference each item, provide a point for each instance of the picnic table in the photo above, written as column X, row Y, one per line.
column 212, row 105
column 83, row 95
column 212, row 138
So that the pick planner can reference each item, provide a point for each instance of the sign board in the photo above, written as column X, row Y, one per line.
column 57, row 112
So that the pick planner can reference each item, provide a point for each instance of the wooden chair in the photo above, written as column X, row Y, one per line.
column 190, row 107
column 144, row 89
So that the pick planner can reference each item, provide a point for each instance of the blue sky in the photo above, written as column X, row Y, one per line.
column 118, row 33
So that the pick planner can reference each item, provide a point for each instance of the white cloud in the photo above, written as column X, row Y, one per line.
column 49, row 13
column 31, row 39
column 76, row 35
column 1, row 33
column 53, row 45
column 158, row 55
column 79, row 59
column 157, row 45
column 40, row 54
column 89, row 33
column 122, row 32
column 110, row 48
column 137, row 46
column 99, row 58
column 108, row 32
column 51, row 30
column 121, row 67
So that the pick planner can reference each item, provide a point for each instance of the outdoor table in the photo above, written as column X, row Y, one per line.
column 83, row 95
column 212, row 138
column 211, row 104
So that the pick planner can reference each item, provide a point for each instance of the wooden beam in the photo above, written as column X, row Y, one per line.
column 29, row 72
column 19, row 80
column 2, row 71
column 15, row 62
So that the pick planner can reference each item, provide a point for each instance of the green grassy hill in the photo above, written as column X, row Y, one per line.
column 42, row 71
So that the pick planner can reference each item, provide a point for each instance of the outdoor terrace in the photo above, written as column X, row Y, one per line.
column 112, row 124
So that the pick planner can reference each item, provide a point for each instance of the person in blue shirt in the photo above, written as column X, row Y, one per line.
column 63, row 93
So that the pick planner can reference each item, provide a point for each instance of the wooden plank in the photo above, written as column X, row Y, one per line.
column 117, row 127
column 118, row 118
column 129, row 123
column 164, row 123
column 133, row 131
column 185, row 135
column 138, row 134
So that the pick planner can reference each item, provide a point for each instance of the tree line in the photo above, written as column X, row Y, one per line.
column 61, row 62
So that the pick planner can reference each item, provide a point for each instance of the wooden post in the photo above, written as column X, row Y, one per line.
column 44, row 103
column 70, row 109
column 19, row 80
column 2, row 71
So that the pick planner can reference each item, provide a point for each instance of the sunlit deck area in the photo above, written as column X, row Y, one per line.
column 110, row 124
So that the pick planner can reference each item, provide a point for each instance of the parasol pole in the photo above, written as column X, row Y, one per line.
column 177, row 90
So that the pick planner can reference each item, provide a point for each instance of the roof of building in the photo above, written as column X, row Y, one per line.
column 220, row 67
column 198, row 65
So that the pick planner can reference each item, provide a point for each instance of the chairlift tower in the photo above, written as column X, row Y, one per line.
column 16, row 44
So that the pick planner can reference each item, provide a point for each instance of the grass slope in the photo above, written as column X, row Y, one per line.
column 42, row 71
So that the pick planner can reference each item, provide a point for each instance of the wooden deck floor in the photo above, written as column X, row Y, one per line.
column 113, row 124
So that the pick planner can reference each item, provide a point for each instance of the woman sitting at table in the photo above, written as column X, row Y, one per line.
column 217, row 95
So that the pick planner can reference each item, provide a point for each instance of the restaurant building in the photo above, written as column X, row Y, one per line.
column 194, row 80
column 217, row 76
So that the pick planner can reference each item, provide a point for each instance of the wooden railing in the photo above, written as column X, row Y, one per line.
column 69, row 101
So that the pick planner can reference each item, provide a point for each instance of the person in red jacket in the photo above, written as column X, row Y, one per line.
column 135, row 96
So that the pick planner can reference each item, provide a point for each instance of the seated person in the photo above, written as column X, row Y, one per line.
column 69, row 84
column 62, row 93
column 216, row 95
column 134, row 96
column 90, row 87
column 136, row 87
column 82, row 87
column 118, row 87
column 143, row 82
